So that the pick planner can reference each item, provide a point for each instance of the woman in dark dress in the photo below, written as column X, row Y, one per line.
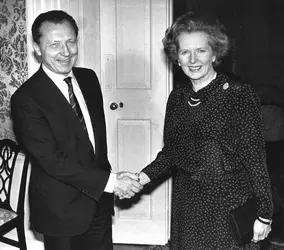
column 213, row 141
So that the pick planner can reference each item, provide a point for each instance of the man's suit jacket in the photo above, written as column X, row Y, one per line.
column 67, row 178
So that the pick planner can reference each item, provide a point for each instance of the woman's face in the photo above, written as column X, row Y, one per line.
column 195, row 56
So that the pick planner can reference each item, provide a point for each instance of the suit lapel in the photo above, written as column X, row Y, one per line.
column 49, row 93
column 90, row 100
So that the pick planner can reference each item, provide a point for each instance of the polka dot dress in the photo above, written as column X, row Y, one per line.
column 214, row 148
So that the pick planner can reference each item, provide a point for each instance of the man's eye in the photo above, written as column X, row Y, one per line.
column 72, row 42
column 54, row 45
column 201, row 50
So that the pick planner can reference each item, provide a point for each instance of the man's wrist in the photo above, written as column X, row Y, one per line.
column 111, row 183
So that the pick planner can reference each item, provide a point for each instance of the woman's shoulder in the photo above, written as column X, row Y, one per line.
column 179, row 91
column 240, row 89
column 177, row 97
column 243, row 94
column 239, row 86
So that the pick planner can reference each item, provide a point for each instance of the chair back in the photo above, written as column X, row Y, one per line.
column 9, row 153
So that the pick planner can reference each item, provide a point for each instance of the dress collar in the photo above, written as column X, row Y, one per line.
column 195, row 98
column 211, row 87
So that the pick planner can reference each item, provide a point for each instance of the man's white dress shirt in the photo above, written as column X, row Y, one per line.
column 63, row 87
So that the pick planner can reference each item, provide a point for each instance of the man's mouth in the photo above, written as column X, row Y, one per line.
column 64, row 62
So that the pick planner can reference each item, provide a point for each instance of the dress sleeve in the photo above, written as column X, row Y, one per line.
column 163, row 162
column 252, row 147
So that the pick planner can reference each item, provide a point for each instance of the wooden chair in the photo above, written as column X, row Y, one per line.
column 12, row 219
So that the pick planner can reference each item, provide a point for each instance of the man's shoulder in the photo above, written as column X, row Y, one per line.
column 82, row 70
column 27, row 85
column 85, row 74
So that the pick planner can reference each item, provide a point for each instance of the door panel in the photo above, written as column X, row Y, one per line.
column 135, row 77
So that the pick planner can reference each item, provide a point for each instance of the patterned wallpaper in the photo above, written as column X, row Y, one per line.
column 13, row 58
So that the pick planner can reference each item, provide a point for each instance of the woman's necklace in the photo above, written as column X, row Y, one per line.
column 195, row 102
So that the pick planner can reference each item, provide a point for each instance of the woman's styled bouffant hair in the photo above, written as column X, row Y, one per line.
column 190, row 22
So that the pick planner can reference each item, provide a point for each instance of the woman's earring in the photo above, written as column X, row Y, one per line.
column 178, row 63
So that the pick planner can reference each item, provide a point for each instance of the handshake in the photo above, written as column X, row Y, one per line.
column 128, row 184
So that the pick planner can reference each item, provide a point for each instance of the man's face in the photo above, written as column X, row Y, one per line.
column 58, row 47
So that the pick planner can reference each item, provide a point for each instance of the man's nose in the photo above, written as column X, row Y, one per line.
column 65, row 50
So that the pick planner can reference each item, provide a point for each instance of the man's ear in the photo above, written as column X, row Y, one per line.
column 37, row 49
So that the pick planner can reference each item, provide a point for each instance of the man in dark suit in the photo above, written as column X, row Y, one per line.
column 59, row 120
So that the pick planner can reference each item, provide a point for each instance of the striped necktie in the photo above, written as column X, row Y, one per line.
column 74, row 102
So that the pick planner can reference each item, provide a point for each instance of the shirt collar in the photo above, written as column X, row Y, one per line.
column 56, row 78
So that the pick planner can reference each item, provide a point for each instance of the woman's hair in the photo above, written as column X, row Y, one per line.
column 190, row 22
column 53, row 16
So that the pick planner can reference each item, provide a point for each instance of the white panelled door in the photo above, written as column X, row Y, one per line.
column 135, row 84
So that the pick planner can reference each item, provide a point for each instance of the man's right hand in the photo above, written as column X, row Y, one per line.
column 127, row 185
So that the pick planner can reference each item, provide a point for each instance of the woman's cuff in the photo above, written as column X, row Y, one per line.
column 264, row 221
column 143, row 178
